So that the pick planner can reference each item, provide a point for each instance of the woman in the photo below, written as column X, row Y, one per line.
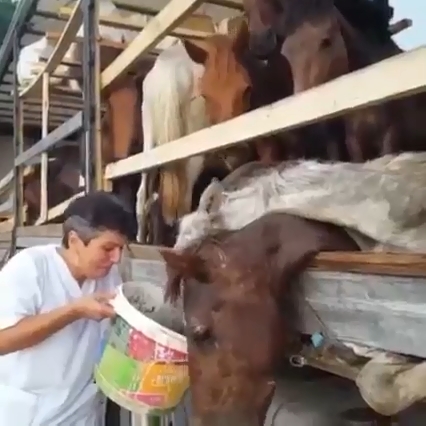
column 54, row 312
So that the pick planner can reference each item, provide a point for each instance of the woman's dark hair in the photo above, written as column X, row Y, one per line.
column 99, row 211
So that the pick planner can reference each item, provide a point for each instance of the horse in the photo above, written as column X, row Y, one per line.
column 63, row 181
column 234, row 82
column 274, row 24
column 236, row 289
column 173, row 106
column 319, row 43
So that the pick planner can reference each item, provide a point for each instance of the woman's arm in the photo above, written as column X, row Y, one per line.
column 32, row 330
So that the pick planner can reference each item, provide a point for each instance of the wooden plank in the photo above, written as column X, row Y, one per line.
column 354, row 91
column 58, row 210
column 55, row 111
column 7, row 180
column 32, row 118
column 231, row 4
column 169, row 18
column 52, row 214
column 197, row 26
column 52, row 139
column 372, row 263
column 396, row 264
column 54, row 35
column 61, row 48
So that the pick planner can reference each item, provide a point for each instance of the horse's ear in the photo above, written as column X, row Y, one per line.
column 181, row 262
column 241, row 37
column 178, row 266
column 211, row 198
column 196, row 51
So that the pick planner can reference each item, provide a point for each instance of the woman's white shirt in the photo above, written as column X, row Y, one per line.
column 50, row 384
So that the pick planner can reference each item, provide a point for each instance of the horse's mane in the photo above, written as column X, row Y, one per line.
column 367, row 18
column 364, row 15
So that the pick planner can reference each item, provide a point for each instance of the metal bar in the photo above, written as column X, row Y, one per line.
column 52, row 139
column 89, row 95
column 16, row 144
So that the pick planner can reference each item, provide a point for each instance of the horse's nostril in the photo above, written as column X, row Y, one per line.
column 199, row 332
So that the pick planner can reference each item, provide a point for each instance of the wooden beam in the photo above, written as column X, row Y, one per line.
column 231, row 4
column 169, row 18
column 61, row 49
column 354, row 91
column 402, row 264
column 195, row 26
column 31, row 116
column 54, row 111
column 52, row 214
column 399, row 26
column 54, row 35
column 58, row 210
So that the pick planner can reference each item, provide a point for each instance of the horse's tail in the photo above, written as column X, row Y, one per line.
column 166, row 89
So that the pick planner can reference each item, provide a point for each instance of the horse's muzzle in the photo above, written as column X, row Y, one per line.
column 264, row 44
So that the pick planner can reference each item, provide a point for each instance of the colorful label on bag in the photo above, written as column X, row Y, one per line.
column 142, row 370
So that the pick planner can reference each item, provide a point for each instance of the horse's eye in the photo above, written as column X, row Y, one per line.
column 326, row 42
column 202, row 277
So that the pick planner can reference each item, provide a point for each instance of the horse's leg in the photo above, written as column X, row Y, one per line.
column 148, row 143
column 353, row 138
column 193, row 167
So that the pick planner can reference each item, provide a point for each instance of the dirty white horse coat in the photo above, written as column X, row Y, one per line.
column 382, row 203
column 383, row 200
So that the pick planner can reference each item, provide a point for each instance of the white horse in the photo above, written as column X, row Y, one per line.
column 173, row 108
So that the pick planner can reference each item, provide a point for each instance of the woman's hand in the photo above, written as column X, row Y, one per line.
column 95, row 307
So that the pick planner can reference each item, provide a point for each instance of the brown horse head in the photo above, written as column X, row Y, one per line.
column 263, row 17
column 314, row 45
column 238, row 310
column 230, row 351
column 225, row 83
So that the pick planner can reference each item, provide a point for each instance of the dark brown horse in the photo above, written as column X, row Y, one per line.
column 237, row 299
column 324, row 39
column 63, row 180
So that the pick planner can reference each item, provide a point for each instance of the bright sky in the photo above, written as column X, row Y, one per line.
column 415, row 10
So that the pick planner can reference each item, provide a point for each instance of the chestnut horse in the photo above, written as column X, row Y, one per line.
column 237, row 298
column 235, row 81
